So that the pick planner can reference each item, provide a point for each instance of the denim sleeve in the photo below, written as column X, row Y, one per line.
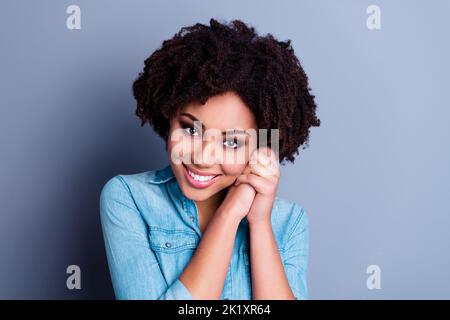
column 134, row 269
column 296, row 252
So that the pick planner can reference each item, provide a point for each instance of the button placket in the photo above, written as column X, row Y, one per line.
column 189, row 208
column 192, row 211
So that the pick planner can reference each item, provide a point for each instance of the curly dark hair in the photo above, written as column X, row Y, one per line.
column 201, row 61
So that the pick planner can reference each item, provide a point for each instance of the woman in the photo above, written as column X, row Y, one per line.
column 203, row 227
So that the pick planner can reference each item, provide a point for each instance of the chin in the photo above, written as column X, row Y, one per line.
column 196, row 195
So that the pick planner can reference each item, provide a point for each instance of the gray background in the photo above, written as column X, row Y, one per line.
column 375, row 180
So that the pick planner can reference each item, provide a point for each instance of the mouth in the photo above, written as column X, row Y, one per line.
column 199, row 181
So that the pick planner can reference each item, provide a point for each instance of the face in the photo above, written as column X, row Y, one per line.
column 209, row 145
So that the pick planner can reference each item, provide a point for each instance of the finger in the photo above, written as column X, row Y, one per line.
column 273, row 168
column 270, row 163
column 260, row 184
column 272, row 158
column 263, row 171
column 266, row 156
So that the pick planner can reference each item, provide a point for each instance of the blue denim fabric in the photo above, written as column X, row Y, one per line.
column 151, row 231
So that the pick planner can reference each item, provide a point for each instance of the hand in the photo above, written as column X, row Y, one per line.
column 263, row 174
column 238, row 199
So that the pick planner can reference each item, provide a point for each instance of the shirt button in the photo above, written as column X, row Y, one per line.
column 192, row 218
column 168, row 244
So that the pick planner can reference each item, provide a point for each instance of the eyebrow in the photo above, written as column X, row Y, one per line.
column 233, row 131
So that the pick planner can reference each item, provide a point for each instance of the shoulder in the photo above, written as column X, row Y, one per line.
column 289, row 219
column 120, row 184
column 135, row 187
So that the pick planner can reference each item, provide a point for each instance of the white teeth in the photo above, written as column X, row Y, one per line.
column 199, row 178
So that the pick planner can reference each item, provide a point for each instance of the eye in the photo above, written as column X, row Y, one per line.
column 190, row 130
column 233, row 144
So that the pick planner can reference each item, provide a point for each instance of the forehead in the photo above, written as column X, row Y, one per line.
column 225, row 111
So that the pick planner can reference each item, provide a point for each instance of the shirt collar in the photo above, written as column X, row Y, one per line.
column 166, row 175
column 160, row 176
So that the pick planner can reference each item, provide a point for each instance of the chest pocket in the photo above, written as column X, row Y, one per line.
column 173, row 248
column 172, row 241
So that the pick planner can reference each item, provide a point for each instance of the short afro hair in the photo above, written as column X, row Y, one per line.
column 202, row 61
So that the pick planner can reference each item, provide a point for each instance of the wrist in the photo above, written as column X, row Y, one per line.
column 227, row 217
column 259, row 223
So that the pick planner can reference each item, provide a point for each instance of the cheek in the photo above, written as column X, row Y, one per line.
column 183, row 144
column 180, row 148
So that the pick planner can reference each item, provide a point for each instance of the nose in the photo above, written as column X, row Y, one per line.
column 205, row 153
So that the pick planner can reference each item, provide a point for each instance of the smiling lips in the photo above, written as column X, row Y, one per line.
column 199, row 180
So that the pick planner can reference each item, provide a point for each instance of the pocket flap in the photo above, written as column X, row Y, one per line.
column 171, row 240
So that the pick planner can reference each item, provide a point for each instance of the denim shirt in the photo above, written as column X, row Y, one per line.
column 151, row 230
